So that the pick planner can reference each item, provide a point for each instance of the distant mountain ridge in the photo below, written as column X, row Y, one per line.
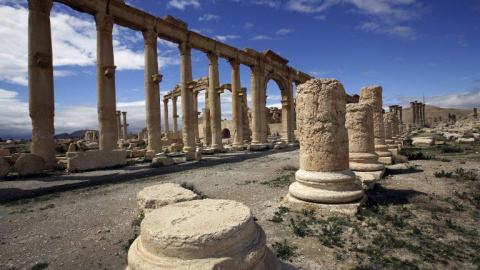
column 79, row 134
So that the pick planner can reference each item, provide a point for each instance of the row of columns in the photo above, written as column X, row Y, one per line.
column 120, row 125
column 418, row 113
column 397, row 112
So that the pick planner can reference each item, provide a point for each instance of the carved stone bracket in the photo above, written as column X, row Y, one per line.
column 109, row 71
column 104, row 22
column 219, row 90
column 40, row 5
column 43, row 60
column 157, row 78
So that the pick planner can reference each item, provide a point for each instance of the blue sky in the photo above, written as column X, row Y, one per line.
column 410, row 47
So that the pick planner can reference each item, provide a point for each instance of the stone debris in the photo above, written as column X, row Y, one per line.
column 154, row 197
column 28, row 164
column 4, row 167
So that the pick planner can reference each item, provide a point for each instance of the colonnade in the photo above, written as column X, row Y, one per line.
column 397, row 112
column 418, row 113
column 120, row 125
column 264, row 66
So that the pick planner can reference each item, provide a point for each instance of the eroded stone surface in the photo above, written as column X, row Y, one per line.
column 324, row 176
column 179, row 236
column 95, row 159
column 154, row 197
column 29, row 164
column 4, row 167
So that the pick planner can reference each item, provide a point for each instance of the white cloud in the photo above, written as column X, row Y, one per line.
column 209, row 17
column 74, row 41
column 261, row 37
column 248, row 25
column 284, row 31
column 320, row 17
column 270, row 3
column 463, row 100
column 385, row 16
column 181, row 4
column 14, row 115
column 225, row 38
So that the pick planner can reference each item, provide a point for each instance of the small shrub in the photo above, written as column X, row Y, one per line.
column 443, row 174
column 278, row 216
column 283, row 250
column 39, row 266
column 463, row 175
column 300, row 228
column 453, row 149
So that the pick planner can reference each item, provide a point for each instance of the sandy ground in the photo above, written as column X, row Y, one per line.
column 85, row 220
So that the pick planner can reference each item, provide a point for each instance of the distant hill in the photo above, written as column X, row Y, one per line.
column 432, row 111
column 79, row 134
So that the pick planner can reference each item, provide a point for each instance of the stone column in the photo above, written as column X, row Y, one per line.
column 165, row 115
column 263, row 110
column 175, row 115
column 400, row 109
column 236, row 105
column 256, row 114
column 372, row 95
column 125, row 125
column 187, row 101
column 214, row 101
column 245, row 121
column 106, row 83
column 195, row 119
column 414, row 112
column 361, row 142
column 286, row 123
column 119, row 126
column 152, row 94
column 423, row 113
column 40, row 80
column 475, row 113
column 388, row 127
column 324, row 176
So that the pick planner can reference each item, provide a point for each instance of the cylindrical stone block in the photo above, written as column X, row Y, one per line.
column 372, row 95
column 359, row 122
column 178, row 236
column 324, row 175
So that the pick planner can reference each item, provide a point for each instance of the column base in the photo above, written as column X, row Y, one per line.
column 319, row 209
column 385, row 160
column 190, row 156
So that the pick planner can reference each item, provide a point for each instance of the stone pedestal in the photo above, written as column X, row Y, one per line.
column 179, row 236
column 40, row 80
column 362, row 157
column 324, row 181
column 372, row 95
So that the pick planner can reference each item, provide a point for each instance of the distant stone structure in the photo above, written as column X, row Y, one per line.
column 418, row 113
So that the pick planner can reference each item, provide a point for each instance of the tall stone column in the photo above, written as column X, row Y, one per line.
column 236, row 105
column 245, row 121
column 324, row 176
column 291, row 113
column 106, row 83
column 263, row 111
column 423, row 113
column 187, row 100
column 165, row 116
column 400, row 109
column 475, row 113
column 372, row 95
column 286, row 123
column 152, row 94
column 175, row 115
column 388, row 127
column 214, row 101
column 119, row 126
column 256, row 102
column 361, row 142
column 414, row 113
column 125, row 125
column 195, row 119
column 40, row 80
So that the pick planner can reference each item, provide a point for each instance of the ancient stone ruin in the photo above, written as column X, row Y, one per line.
column 324, row 182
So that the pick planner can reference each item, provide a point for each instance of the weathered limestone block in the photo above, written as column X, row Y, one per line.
column 362, row 157
column 154, row 197
column 95, row 159
column 137, row 153
column 201, row 234
column 4, row 152
column 372, row 95
column 72, row 148
column 324, row 176
column 423, row 141
column 29, row 164
column 4, row 167
column 465, row 140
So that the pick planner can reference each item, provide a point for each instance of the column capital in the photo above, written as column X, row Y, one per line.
column 157, row 78
column 109, row 71
column 104, row 22
column 174, row 99
column 234, row 63
column 185, row 48
column 165, row 100
column 40, row 5
column 124, row 113
column 150, row 37
column 212, row 58
column 195, row 93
